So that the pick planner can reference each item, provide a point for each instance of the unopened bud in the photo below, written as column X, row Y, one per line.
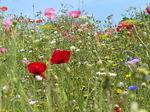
column 99, row 63
column 55, row 77
column 68, row 70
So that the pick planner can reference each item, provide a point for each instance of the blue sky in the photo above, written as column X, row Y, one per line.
column 99, row 8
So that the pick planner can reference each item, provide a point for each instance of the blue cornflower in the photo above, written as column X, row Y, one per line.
column 133, row 87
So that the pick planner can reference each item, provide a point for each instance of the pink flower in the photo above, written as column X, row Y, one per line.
column 33, row 102
column 31, row 20
column 50, row 14
column 37, row 77
column 25, row 61
column 7, row 22
column 2, row 50
column 74, row 14
column 74, row 25
column 109, row 32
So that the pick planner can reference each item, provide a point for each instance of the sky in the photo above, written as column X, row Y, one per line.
column 99, row 8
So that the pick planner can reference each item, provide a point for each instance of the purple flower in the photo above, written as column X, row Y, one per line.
column 134, row 61
column 133, row 87
column 146, row 77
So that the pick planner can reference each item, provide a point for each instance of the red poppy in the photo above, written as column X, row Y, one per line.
column 59, row 57
column 148, row 9
column 3, row 8
column 37, row 68
column 117, row 109
column 123, row 25
column 38, row 21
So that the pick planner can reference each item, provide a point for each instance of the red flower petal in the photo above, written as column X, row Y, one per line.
column 37, row 68
column 4, row 8
column 59, row 57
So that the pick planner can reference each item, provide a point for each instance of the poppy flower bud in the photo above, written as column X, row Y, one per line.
column 99, row 63
column 68, row 69
column 55, row 77
column 14, row 80
column 15, row 22
column 107, row 74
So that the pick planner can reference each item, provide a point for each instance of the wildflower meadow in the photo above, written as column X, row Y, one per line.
column 71, row 62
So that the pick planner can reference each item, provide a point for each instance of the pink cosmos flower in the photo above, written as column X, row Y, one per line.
column 7, row 22
column 50, row 14
column 74, row 14
column 2, row 50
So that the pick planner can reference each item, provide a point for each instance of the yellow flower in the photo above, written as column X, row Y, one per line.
column 76, row 107
column 112, row 48
column 131, row 21
column 127, row 10
column 85, row 95
column 56, row 108
column 119, row 91
column 133, row 7
column 83, row 86
column 114, row 64
column 106, row 57
column 128, row 75
column 103, row 36
column 51, row 70
column 81, row 46
column 141, row 98
column 71, row 94
column 143, row 70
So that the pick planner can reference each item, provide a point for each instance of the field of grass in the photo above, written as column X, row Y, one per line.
column 108, row 69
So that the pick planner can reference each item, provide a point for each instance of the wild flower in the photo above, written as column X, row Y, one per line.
column 133, row 87
column 74, row 14
column 148, row 9
column 50, row 13
column 104, row 73
column 2, row 50
column 7, row 22
column 119, row 91
column 33, row 102
column 134, row 61
column 72, row 48
column 37, row 68
column 109, row 32
column 38, row 21
column 117, row 109
column 4, row 8
column 37, row 77
column 59, row 57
